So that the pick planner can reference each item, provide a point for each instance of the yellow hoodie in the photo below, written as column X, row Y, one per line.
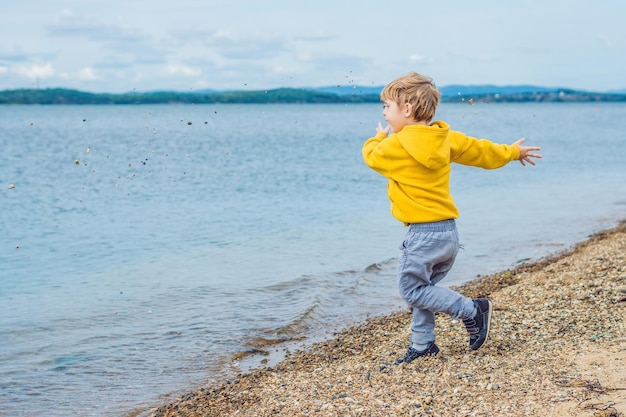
column 417, row 162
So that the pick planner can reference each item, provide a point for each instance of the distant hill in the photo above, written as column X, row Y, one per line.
column 485, row 93
column 66, row 96
column 479, row 90
column 330, row 94
column 346, row 90
column 446, row 91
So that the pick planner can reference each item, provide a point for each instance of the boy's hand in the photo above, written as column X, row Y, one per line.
column 380, row 129
column 525, row 152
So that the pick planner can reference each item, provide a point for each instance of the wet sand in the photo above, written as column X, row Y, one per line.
column 557, row 348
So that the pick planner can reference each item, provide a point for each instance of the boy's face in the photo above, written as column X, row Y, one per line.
column 397, row 116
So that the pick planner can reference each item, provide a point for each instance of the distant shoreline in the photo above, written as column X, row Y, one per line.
column 61, row 96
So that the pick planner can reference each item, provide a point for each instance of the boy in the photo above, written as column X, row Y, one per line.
column 416, row 159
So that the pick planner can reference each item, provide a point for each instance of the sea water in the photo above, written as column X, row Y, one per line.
column 141, row 247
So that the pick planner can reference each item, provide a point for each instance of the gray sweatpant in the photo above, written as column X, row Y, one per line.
column 426, row 255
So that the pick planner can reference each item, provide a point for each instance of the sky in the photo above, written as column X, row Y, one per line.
column 119, row 46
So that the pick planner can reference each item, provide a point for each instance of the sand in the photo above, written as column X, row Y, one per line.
column 557, row 348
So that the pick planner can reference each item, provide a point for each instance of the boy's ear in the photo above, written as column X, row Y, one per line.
column 408, row 109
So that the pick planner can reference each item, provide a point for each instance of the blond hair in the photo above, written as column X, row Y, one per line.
column 418, row 90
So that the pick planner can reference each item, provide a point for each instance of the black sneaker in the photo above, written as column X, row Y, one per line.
column 478, row 327
column 412, row 354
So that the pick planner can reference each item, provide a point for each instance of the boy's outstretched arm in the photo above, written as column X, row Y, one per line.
column 525, row 152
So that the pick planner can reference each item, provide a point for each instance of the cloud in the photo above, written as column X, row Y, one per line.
column 14, row 56
column 251, row 50
column 87, row 74
column 37, row 71
column 72, row 24
column 119, row 45
column 130, row 54
column 345, row 65
column 223, row 44
column 183, row 70
column 3, row 69
column 18, row 56
column 113, row 50
column 420, row 59
column 325, row 38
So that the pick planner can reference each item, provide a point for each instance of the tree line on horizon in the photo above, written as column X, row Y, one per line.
column 60, row 96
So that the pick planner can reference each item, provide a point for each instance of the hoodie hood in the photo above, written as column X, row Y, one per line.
column 428, row 145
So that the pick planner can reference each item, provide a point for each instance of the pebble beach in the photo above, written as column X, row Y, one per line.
column 557, row 347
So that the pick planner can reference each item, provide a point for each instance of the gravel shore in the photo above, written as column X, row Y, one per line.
column 557, row 347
